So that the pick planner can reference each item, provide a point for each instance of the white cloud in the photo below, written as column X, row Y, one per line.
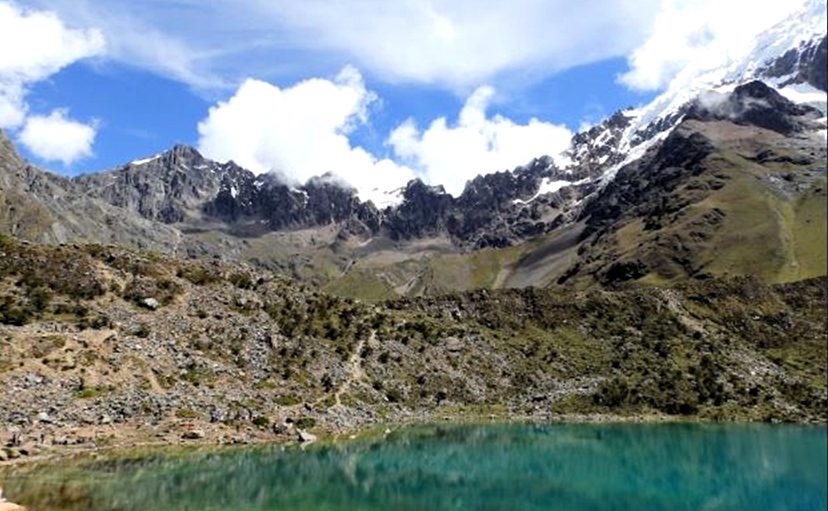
column 702, row 32
column 35, row 45
column 302, row 131
column 12, row 106
column 457, row 44
column 477, row 144
column 463, row 43
column 299, row 132
column 57, row 138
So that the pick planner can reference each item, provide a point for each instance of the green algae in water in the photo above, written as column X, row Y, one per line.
column 468, row 468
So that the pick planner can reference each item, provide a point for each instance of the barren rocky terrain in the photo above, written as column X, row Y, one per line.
column 102, row 346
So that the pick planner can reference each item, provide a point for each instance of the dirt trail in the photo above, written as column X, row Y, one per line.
column 353, row 370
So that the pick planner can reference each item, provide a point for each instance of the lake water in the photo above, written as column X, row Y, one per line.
column 470, row 468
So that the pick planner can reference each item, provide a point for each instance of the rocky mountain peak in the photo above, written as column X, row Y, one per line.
column 807, row 63
column 179, row 156
column 753, row 103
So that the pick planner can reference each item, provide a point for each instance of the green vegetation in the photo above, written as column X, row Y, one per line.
column 714, row 349
column 186, row 413
column 85, row 392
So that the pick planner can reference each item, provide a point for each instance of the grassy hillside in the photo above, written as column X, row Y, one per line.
column 716, row 199
column 746, row 201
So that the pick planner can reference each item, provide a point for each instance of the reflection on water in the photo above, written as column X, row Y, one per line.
column 479, row 468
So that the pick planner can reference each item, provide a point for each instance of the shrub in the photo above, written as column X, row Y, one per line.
column 287, row 400
column 85, row 392
column 394, row 395
column 40, row 297
column 612, row 393
column 200, row 274
column 327, row 382
column 187, row 413
column 305, row 422
column 241, row 280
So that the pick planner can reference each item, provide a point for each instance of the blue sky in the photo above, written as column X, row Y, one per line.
column 140, row 113
column 377, row 92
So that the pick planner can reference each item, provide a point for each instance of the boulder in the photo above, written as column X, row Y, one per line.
column 193, row 434
column 304, row 436
column 453, row 344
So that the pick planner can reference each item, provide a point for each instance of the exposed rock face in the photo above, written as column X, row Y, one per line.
column 593, row 150
column 183, row 188
column 272, row 205
column 169, row 188
column 753, row 103
column 678, row 158
column 806, row 64
column 41, row 206
column 424, row 211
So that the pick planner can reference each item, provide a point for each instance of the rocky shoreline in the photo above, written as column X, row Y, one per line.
column 104, row 348
column 38, row 446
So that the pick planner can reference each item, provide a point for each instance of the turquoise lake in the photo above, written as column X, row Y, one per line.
column 476, row 468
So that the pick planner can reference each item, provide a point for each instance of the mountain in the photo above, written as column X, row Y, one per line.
column 671, row 263
column 182, row 187
column 662, row 192
column 41, row 206
column 737, row 187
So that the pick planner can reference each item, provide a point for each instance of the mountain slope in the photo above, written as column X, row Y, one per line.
column 41, row 206
column 98, row 341
column 612, row 197
column 733, row 191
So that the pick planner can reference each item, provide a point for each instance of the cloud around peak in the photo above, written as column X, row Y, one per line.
column 453, row 153
column 706, row 34
column 299, row 132
column 302, row 131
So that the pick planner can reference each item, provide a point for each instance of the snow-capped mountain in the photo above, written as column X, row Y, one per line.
column 181, row 194
column 790, row 56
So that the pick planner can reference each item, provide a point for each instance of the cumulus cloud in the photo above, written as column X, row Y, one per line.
column 299, row 132
column 55, row 137
column 36, row 44
column 302, row 131
column 703, row 32
column 476, row 144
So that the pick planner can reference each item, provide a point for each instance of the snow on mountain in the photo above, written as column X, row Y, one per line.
column 729, row 68
column 382, row 198
column 806, row 94
column 626, row 136
column 144, row 161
